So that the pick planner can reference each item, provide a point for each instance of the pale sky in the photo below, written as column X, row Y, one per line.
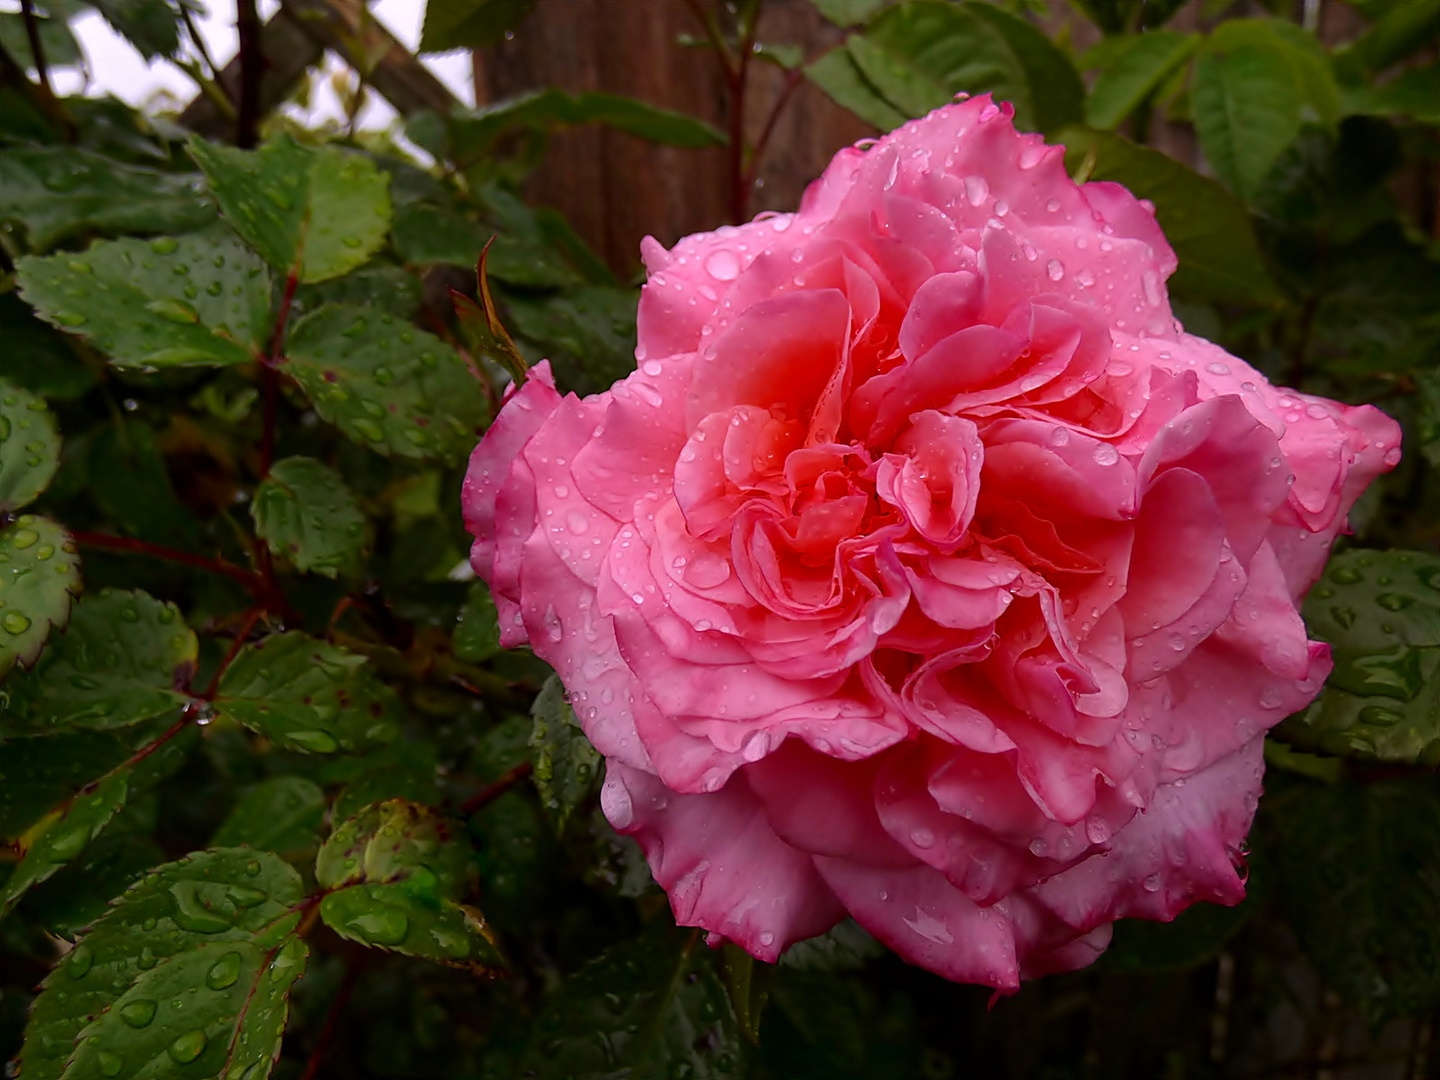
column 117, row 69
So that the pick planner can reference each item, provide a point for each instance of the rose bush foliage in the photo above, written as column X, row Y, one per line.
column 925, row 569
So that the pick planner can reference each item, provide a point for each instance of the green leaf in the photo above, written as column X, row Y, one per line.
column 425, row 235
column 921, row 53
column 59, row 44
column 470, row 24
column 1404, row 27
column 404, row 770
column 223, row 900
column 1361, row 886
column 307, row 515
column 59, row 193
column 387, row 385
column 1211, row 232
column 39, row 577
column 129, row 481
column 1315, row 766
column 567, row 767
column 1195, row 937
column 588, row 334
column 1120, row 16
column 845, row 947
column 1413, row 94
column 391, row 289
column 35, row 357
column 306, row 695
column 168, row 302
column 477, row 637
column 1427, row 433
column 1126, row 82
column 848, row 12
column 118, row 663
column 1377, row 310
column 29, row 447
column 152, row 26
column 232, row 1027
column 64, row 836
column 395, row 874
column 838, row 75
column 282, row 814
column 1256, row 84
column 654, row 1006
column 476, row 133
column 37, row 774
column 318, row 213
column 1380, row 613
column 80, row 893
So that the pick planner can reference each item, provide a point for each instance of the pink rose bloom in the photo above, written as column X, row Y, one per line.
column 926, row 570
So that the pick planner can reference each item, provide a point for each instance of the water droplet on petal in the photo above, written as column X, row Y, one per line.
column 722, row 265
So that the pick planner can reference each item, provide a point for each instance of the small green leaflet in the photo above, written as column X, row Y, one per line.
column 920, row 53
column 231, row 1028
column 588, row 333
column 1257, row 82
column 29, row 447
column 477, row 133
column 567, row 767
column 57, row 840
column 837, row 74
column 318, row 213
column 39, row 773
column 1128, row 79
column 391, row 289
column 845, row 947
column 654, row 1006
column 149, row 25
column 39, row 578
column 388, row 386
column 120, row 662
column 1380, row 613
column 282, row 814
column 848, row 12
column 173, row 301
column 1210, row 230
column 477, row 637
column 307, row 515
column 469, row 24
column 425, row 234
column 395, row 875
column 307, row 695
column 213, row 903
column 65, row 832
column 37, row 357
column 60, row 192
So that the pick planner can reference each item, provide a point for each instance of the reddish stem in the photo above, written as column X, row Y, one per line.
column 270, row 388
column 490, row 792
column 252, row 581
column 250, row 619
column 187, row 715
column 793, row 79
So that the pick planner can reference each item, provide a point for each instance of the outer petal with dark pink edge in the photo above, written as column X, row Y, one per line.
column 721, row 863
